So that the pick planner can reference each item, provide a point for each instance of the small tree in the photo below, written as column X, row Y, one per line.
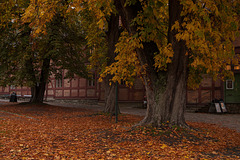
column 33, row 58
column 100, row 25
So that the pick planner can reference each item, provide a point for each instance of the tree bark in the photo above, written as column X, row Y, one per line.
column 165, row 91
column 110, row 97
column 112, row 38
column 38, row 90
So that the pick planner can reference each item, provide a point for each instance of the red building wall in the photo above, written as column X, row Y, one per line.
column 207, row 91
column 80, row 88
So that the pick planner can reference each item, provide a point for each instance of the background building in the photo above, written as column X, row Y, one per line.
column 91, row 91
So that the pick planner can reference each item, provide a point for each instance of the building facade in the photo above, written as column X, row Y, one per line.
column 80, row 89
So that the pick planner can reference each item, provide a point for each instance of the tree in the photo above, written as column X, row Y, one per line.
column 167, row 43
column 100, row 24
column 13, row 42
column 60, row 49
column 112, row 38
column 112, row 35
column 174, row 41
column 110, row 31
column 31, row 59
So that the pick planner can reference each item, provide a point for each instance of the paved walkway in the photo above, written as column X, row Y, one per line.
column 231, row 121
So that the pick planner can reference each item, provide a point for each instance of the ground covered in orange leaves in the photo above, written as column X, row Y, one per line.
column 51, row 132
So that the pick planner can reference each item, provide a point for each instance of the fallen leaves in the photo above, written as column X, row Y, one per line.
column 72, row 133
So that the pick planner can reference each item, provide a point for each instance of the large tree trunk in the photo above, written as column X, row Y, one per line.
column 110, row 97
column 175, row 97
column 165, row 91
column 112, row 38
column 38, row 90
column 166, row 103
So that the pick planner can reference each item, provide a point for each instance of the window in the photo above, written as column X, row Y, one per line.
column 229, row 84
column 228, row 67
column 236, row 67
column 59, row 83
column 12, row 87
column 91, row 81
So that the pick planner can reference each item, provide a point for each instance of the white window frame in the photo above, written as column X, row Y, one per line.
column 59, row 83
column 12, row 86
column 91, row 81
column 229, row 81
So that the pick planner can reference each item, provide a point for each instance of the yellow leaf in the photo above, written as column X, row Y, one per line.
column 163, row 146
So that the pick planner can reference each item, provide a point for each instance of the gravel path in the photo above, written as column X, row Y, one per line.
column 231, row 121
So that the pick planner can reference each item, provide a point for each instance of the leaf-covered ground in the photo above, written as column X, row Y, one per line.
column 50, row 132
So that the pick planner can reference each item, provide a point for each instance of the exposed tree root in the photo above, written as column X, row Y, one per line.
column 147, row 122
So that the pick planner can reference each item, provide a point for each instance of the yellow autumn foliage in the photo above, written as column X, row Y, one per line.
column 127, row 65
column 209, row 27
